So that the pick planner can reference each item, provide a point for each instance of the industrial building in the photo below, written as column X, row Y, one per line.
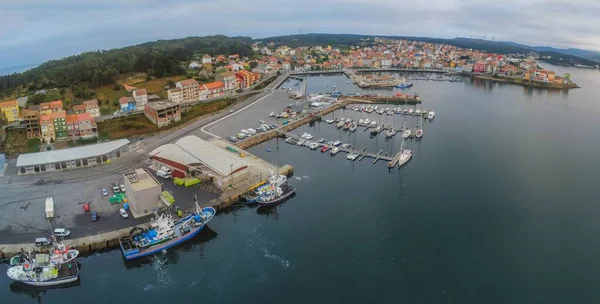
column 143, row 192
column 73, row 158
column 163, row 113
column 192, row 156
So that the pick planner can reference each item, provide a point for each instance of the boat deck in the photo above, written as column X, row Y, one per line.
column 64, row 271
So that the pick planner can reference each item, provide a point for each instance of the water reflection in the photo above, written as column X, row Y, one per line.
column 271, row 211
column 36, row 292
column 171, row 255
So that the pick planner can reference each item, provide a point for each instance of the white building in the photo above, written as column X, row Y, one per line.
column 141, row 98
column 175, row 95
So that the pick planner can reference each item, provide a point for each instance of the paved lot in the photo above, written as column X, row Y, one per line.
column 22, row 198
column 249, row 118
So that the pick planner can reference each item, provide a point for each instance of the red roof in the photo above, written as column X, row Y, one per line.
column 92, row 104
column 214, row 85
column 188, row 82
column 140, row 92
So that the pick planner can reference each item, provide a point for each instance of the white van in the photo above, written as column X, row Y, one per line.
column 163, row 174
column 245, row 132
column 252, row 131
column 166, row 169
column 62, row 232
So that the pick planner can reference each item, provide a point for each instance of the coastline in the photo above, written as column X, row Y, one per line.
column 532, row 84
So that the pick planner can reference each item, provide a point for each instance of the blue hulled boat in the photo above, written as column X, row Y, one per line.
column 164, row 232
column 404, row 85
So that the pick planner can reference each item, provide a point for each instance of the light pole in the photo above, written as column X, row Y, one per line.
column 231, row 174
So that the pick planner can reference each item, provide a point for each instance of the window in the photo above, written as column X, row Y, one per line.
column 36, row 168
column 78, row 163
column 22, row 170
column 98, row 159
column 43, row 167
column 63, row 165
column 85, row 162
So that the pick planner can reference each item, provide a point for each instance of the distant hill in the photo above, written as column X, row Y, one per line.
column 591, row 55
column 345, row 40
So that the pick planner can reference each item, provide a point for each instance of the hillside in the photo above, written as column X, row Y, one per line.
column 93, row 69
column 591, row 55
column 344, row 40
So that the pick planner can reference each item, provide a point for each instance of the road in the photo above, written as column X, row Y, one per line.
column 22, row 202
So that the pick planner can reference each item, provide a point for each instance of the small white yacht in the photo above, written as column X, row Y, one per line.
column 411, row 111
column 335, row 151
column 373, row 123
column 418, row 111
column 329, row 121
column 337, row 143
column 308, row 136
column 431, row 115
column 367, row 121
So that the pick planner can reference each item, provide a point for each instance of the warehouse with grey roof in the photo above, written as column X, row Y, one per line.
column 73, row 158
column 192, row 156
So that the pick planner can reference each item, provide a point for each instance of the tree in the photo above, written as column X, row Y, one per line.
column 253, row 65
column 36, row 99
column 171, row 83
column 116, row 87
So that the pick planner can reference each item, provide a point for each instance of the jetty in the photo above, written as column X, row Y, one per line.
column 393, row 161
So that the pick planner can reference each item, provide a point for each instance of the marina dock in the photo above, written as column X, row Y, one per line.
column 393, row 161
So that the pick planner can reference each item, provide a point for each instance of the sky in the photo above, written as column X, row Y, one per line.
column 34, row 31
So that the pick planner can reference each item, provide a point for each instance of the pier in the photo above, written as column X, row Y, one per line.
column 393, row 161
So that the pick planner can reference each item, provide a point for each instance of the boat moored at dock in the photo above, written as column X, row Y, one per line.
column 164, row 232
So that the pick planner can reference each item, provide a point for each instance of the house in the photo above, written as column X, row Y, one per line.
column 479, row 67
column 228, row 79
column 287, row 66
column 30, row 119
column 60, row 124
column 92, row 108
column 190, row 90
column 47, row 128
column 163, row 113
column 81, row 126
column 207, row 61
column 236, row 67
column 79, row 109
column 175, row 95
column 215, row 89
column 386, row 63
column 247, row 78
column 47, row 108
column 127, row 104
column 141, row 98
column 194, row 65
column 10, row 110
column 491, row 67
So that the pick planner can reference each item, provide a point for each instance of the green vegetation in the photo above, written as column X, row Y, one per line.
column 92, row 69
column 82, row 142
column 16, row 143
column 139, row 124
column 565, row 59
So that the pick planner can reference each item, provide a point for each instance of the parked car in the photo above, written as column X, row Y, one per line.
column 123, row 213
column 94, row 216
column 86, row 207
column 163, row 174
column 42, row 241
column 62, row 232
column 104, row 192
column 122, row 188
column 232, row 138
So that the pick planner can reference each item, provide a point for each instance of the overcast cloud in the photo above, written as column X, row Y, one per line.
column 33, row 31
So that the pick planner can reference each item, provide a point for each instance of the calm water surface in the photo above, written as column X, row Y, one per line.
column 498, row 205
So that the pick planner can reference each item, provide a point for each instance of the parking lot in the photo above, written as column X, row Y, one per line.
column 22, row 211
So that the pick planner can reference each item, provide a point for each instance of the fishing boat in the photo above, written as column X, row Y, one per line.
column 430, row 115
column 353, row 127
column 367, row 121
column 344, row 146
column 324, row 148
column 32, row 273
column 346, row 126
column 313, row 146
column 376, row 130
column 277, row 195
column 164, row 232
column 308, row 136
column 405, row 111
column 335, row 151
column 373, row 124
column 337, row 143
